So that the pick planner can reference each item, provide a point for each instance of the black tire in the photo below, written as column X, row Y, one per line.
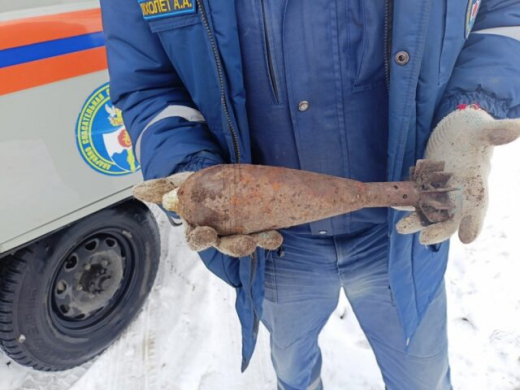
column 66, row 298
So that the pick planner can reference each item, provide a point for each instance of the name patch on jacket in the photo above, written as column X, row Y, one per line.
column 154, row 9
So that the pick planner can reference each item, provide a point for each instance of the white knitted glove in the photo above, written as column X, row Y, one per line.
column 465, row 140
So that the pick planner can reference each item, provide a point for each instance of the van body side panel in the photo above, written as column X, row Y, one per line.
column 50, row 171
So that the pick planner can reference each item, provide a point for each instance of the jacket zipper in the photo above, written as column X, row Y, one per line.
column 218, row 62
column 270, row 65
column 388, row 39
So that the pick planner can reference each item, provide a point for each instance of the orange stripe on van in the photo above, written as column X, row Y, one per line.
column 34, row 74
column 38, row 29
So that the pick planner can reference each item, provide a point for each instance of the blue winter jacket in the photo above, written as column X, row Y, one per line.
column 176, row 73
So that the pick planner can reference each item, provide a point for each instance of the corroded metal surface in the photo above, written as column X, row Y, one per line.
column 243, row 199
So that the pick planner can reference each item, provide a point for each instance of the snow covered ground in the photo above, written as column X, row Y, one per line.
column 188, row 337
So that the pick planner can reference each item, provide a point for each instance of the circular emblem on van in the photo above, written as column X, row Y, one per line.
column 101, row 136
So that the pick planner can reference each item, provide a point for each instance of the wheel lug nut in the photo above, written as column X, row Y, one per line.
column 87, row 267
column 104, row 263
column 79, row 287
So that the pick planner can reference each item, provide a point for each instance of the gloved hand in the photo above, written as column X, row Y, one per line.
column 465, row 140
column 200, row 238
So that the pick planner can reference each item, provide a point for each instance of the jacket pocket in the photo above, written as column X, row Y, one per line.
column 366, row 24
column 269, row 54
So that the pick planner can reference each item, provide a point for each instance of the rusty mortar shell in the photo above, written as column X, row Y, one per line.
column 244, row 199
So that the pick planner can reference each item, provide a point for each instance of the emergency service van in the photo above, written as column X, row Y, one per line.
column 78, row 255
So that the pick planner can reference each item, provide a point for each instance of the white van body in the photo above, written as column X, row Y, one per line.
column 45, row 181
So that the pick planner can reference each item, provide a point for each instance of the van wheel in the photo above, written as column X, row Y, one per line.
column 66, row 298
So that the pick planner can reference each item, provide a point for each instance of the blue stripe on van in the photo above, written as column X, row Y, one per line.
column 43, row 50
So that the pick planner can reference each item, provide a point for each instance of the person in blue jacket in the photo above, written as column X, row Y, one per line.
column 346, row 88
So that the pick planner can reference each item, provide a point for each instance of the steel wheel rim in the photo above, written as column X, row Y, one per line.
column 88, row 317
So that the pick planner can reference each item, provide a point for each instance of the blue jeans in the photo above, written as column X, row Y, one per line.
column 302, row 291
